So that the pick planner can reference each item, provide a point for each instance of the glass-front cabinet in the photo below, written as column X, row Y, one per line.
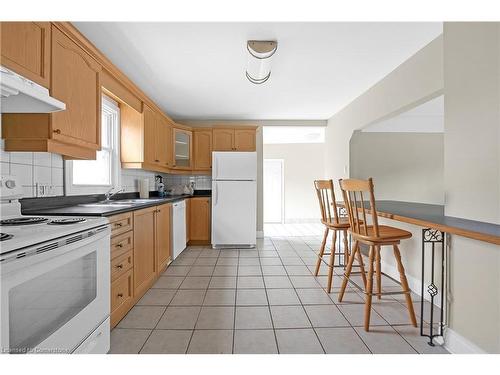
column 182, row 149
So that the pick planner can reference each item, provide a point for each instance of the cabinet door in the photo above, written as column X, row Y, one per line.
column 223, row 139
column 26, row 49
column 202, row 147
column 76, row 82
column 163, row 246
column 199, row 227
column 150, row 136
column 144, row 250
column 163, row 141
column 182, row 154
column 244, row 140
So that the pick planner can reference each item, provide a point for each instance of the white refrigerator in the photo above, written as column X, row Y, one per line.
column 234, row 199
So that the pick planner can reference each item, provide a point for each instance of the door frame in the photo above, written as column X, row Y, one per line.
column 282, row 162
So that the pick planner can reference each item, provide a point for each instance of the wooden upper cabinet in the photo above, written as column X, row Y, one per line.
column 150, row 135
column 76, row 82
column 163, row 141
column 25, row 48
column 202, row 149
column 244, row 140
column 223, row 139
column 234, row 139
column 199, row 225
column 182, row 151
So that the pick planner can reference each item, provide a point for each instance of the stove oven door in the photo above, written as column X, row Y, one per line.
column 55, row 295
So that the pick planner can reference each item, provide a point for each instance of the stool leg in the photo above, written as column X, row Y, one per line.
column 361, row 266
column 348, row 271
column 321, row 251
column 346, row 248
column 404, row 284
column 332, row 261
column 379, row 272
column 369, row 289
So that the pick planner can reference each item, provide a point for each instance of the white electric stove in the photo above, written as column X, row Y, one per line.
column 55, row 280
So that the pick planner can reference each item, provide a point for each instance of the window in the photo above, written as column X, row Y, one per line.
column 102, row 174
column 293, row 134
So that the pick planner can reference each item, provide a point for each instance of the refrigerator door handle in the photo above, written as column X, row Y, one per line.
column 216, row 193
column 216, row 164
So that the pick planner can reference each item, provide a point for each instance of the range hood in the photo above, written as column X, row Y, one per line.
column 20, row 95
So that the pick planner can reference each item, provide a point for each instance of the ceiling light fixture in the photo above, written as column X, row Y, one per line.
column 259, row 60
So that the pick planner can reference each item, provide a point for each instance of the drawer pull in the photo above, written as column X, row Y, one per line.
column 120, row 295
column 118, row 224
column 119, row 266
column 57, row 131
column 119, row 245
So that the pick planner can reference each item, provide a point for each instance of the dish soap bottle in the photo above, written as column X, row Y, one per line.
column 160, row 186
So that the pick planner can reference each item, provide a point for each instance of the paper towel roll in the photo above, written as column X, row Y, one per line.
column 144, row 188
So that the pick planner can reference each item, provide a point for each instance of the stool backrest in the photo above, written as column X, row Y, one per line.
column 352, row 191
column 326, row 198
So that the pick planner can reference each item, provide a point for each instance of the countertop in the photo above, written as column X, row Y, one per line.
column 432, row 216
column 71, row 206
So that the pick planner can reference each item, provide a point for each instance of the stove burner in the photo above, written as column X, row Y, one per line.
column 5, row 236
column 71, row 220
column 23, row 221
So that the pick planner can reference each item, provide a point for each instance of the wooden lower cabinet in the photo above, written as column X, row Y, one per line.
column 145, row 264
column 199, row 220
column 140, row 251
column 163, row 238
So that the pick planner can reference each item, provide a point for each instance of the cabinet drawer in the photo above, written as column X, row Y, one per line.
column 121, row 223
column 121, row 291
column 121, row 244
column 120, row 265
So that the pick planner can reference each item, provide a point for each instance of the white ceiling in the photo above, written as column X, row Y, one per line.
column 197, row 70
column 425, row 118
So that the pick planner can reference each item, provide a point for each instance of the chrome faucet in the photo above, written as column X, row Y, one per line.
column 110, row 193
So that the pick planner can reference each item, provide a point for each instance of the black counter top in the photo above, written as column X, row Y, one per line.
column 74, row 205
column 432, row 216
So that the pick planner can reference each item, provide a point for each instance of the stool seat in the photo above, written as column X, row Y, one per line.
column 387, row 235
column 342, row 223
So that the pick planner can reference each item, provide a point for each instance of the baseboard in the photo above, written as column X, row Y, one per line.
column 457, row 344
column 260, row 234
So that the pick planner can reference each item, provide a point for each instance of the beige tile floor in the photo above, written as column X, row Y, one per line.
column 261, row 301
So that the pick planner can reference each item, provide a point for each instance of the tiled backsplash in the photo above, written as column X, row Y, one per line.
column 33, row 168
column 47, row 168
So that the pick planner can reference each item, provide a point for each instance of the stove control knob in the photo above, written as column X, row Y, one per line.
column 10, row 184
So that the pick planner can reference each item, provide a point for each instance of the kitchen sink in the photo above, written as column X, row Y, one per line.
column 104, row 204
column 139, row 201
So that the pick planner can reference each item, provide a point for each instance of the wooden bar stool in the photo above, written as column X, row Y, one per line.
column 375, row 236
column 327, row 204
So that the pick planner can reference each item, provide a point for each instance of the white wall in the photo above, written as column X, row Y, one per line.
column 303, row 163
column 405, row 166
column 472, row 175
column 415, row 81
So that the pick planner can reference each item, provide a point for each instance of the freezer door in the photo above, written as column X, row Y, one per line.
column 234, row 213
column 234, row 165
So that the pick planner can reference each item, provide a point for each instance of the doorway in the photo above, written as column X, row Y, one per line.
column 274, row 191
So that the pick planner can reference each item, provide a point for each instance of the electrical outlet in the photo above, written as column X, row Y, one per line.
column 43, row 190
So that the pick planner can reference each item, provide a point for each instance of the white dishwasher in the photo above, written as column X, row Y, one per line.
column 178, row 228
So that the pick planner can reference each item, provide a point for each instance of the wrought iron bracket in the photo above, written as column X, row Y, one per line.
column 431, row 237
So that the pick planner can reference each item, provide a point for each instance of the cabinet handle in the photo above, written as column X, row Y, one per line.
column 57, row 131
column 119, row 266
column 119, row 245
column 119, row 295
column 156, row 160
column 158, row 211
column 118, row 224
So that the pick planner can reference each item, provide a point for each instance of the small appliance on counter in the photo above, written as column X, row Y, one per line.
column 144, row 188
column 160, row 186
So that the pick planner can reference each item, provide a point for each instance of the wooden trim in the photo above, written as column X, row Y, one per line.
column 73, row 33
column 234, row 126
